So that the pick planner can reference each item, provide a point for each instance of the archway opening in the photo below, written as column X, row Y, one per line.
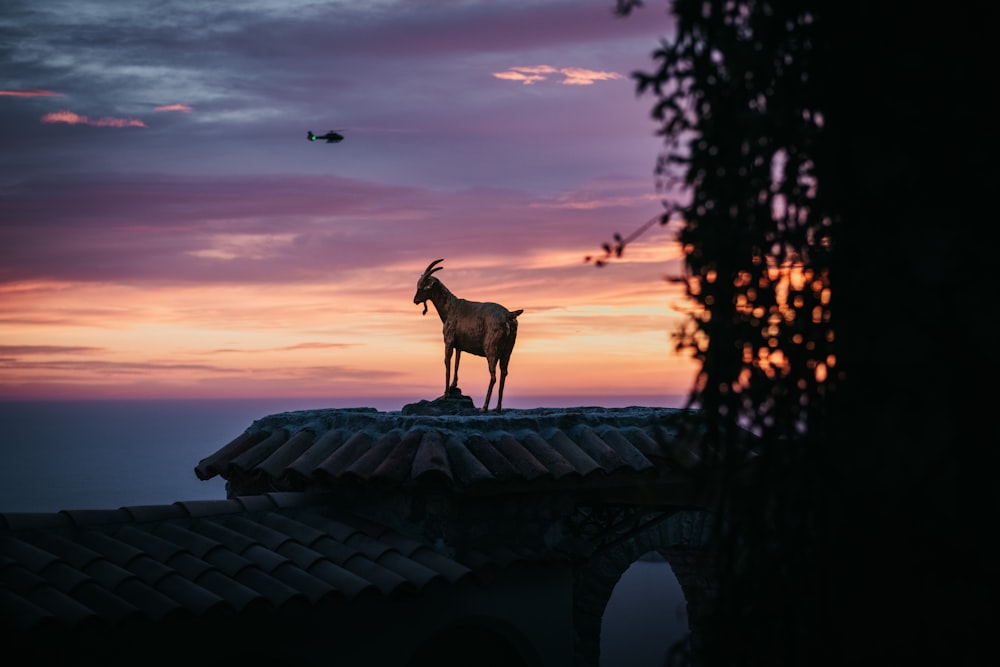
column 646, row 615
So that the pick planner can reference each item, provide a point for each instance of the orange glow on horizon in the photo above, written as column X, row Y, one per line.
column 360, row 336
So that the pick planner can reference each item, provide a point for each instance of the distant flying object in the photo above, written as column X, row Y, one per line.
column 331, row 137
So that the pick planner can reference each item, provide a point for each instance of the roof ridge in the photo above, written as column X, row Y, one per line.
column 139, row 514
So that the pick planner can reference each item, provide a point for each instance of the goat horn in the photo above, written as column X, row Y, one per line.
column 427, row 271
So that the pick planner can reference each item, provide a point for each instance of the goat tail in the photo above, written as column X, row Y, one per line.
column 512, row 321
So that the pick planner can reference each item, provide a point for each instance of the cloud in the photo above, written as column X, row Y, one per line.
column 20, row 350
column 29, row 93
column 284, row 348
column 576, row 76
column 108, row 368
column 72, row 118
column 572, row 76
column 173, row 107
column 526, row 75
column 289, row 228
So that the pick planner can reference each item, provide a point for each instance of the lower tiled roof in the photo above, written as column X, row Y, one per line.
column 517, row 449
column 205, row 558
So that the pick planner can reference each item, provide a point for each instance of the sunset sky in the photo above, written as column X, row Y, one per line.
column 168, row 231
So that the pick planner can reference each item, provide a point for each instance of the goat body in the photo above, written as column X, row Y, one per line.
column 484, row 329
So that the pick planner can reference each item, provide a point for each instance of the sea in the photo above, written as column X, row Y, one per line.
column 105, row 454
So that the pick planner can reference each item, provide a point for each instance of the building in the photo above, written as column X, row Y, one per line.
column 375, row 538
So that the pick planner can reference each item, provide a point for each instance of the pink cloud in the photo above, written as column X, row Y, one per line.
column 576, row 76
column 72, row 118
column 173, row 107
column 29, row 93
column 572, row 76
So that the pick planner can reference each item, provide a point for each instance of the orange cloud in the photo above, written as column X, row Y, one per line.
column 72, row 118
column 576, row 76
column 572, row 76
column 173, row 107
column 29, row 93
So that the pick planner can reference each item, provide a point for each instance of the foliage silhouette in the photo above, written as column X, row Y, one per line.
column 825, row 145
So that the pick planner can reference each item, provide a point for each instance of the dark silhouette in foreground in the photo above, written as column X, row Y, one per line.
column 836, row 160
column 482, row 328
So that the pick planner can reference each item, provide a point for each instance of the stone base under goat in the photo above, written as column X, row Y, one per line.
column 454, row 403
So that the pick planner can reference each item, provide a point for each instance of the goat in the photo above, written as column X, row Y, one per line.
column 483, row 329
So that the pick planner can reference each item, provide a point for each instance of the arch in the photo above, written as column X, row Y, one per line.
column 679, row 536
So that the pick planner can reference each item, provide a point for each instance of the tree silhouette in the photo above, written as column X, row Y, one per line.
column 838, row 157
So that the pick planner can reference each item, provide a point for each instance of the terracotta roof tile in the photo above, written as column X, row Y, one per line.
column 151, row 603
column 309, row 586
column 260, row 503
column 260, row 452
column 451, row 571
column 372, row 457
column 198, row 544
column 275, row 464
column 433, row 459
column 154, row 512
column 92, row 517
column 198, row 599
column 581, row 461
column 197, row 508
column 322, row 448
column 210, row 466
column 77, row 553
column 549, row 457
column 159, row 549
column 59, row 605
column 500, row 468
column 344, row 456
column 298, row 531
column 264, row 558
column 268, row 537
column 389, row 582
column 16, row 520
column 466, row 469
column 262, row 584
column 524, row 462
column 347, row 584
column 409, row 569
column 227, row 561
column 392, row 464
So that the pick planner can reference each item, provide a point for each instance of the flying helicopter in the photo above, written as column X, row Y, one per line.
column 330, row 137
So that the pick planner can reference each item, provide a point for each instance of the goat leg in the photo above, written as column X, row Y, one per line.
column 447, row 371
column 454, row 379
column 493, row 378
column 503, row 379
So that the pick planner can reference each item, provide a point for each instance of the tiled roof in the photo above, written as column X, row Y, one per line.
column 207, row 558
column 540, row 448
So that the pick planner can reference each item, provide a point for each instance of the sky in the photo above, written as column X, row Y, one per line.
column 168, row 231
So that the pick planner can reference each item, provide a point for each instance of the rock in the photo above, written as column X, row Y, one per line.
column 454, row 403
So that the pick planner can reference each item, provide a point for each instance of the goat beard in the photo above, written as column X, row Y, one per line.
column 425, row 308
